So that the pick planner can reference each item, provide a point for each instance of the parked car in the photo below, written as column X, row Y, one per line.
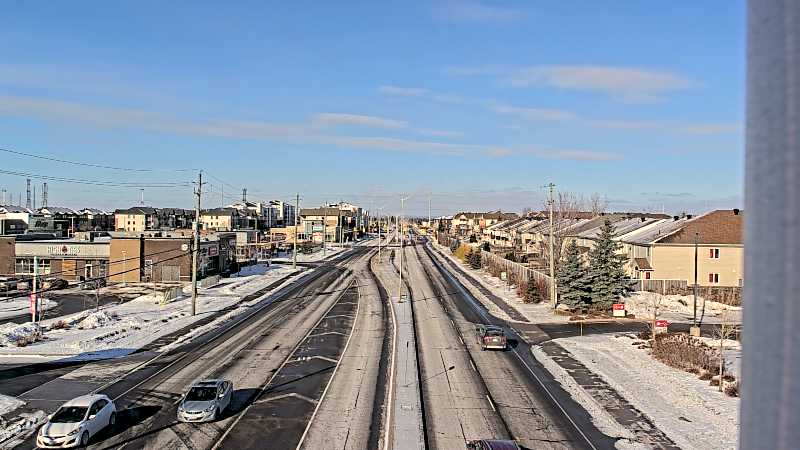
column 490, row 337
column 93, row 284
column 54, row 283
column 76, row 421
column 205, row 401
column 23, row 286
column 492, row 444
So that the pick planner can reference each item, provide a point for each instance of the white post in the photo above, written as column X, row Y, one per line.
column 770, row 406
column 34, row 289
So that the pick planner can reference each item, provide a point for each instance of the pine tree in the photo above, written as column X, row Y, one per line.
column 473, row 239
column 475, row 259
column 532, row 294
column 606, row 269
column 486, row 247
column 572, row 279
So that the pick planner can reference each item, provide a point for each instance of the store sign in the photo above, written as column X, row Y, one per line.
column 63, row 250
column 33, row 304
column 316, row 228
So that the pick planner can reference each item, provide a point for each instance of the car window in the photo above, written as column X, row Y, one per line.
column 201, row 394
column 101, row 404
column 69, row 414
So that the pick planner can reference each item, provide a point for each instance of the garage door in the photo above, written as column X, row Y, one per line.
column 170, row 273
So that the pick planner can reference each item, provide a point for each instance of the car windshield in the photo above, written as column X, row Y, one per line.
column 201, row 394
column 69, row 414
column 494, row 332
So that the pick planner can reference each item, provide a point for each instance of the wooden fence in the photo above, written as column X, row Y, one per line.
column 515, row 270
column 664, row 287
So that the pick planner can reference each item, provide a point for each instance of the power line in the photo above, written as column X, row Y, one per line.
column 105, row 183
column 85, row 164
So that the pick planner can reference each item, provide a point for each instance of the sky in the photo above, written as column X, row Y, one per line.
column 460, row 105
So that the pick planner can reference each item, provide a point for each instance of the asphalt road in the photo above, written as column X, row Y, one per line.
column 248, row 352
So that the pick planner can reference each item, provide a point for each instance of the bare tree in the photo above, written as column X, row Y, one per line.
column 726, row 330
column 653, row 307
column 567, row 209
column 597, row 204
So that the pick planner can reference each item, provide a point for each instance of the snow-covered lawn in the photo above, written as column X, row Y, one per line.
column 122, row 329
column 679, row 308
column 317, row 255
column 8, row 404
column 19, row 306
column 688, row 410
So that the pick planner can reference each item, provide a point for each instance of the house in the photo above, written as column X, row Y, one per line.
column 93, row 219
column 221, row 219
column 466, row 224
column 667, row 249
column 137, row 219
column 329, row 223
column 256, row 215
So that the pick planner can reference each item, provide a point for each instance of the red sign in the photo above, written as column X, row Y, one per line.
column 33, row 304
column 619, row 306
column 662, row 324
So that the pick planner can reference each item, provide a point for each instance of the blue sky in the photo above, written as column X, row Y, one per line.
column 476, row 104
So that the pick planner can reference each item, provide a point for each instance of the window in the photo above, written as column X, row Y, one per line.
column 647, row 275
column 713, row 278
column 713, row 253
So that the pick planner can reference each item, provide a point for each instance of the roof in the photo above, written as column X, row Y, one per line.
column 643, row 264
column 723, row 226
column 85, row 400
column 92, row 211
column 58, row 210
column 620, row 225
column 14, row 209
column 652, row 234
column 219, row 212
column 138, row 210
column 325, row 211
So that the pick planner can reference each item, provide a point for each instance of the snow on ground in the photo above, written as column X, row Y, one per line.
column 678, row 308
column 19, row 306
column 117, row 330
column 688, row 410
column 317, row 255
column 535, row 313
column 8, row 404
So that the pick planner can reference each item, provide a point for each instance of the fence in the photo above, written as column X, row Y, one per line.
column 729, row 295
column 663, row 287
column 515, row 270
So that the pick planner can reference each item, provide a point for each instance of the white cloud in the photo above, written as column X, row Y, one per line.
column 440, row 133
column 326, row 119
column 402, row 145
column 402, row 91
column 533, row 113
column 572, row 155
column 475, row 11
column 624, row 124
column 713, row 128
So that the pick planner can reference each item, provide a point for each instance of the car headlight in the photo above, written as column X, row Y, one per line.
column 74, row 432
column 210, row 408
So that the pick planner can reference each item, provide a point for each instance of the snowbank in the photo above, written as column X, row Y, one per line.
column 124, row 328
column 21, row 306
column 12, row 334
column 688, row 410
column 8, row 404
column 678, row 307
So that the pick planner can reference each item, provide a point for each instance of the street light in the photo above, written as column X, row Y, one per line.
column 402, row 241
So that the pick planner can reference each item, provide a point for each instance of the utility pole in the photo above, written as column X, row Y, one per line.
column 196, row 246
column 4, row 196
column 34, row 289
column 429, row 215
column 296, row 214
column 44, row 195
column 28, row 199
column 553, row 295
column 34, row 196
column 402, row 241
column 694, row 288
column 141, row 196
column 379, row 232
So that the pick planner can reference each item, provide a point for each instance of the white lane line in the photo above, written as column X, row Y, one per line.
column 335, row 369
column 491, row 403
column 530, row 370
column 387, row 432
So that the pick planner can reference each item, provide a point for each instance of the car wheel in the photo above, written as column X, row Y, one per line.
column 112, row 420
column 216, row 413
column 85, row 439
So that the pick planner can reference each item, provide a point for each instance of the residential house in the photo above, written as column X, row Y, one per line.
column 137, row 219
column 466, row 224
column 667, row 250
column 221, row 219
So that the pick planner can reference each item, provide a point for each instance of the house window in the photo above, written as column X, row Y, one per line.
column 713, row 253
column 713, row 278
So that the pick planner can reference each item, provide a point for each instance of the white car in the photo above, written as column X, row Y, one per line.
column 76, row 421
column 205, row 401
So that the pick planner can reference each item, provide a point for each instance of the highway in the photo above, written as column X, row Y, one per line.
column 332, row 361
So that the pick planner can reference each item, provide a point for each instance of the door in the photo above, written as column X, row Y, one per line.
column 88, row 272
column 93, row 419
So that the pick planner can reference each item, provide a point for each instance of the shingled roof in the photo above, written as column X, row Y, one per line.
column 723, row 226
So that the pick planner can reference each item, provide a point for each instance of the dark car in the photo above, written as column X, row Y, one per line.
column 54, row 283
column 95, row 283
column 492, row 444
column 490, row 336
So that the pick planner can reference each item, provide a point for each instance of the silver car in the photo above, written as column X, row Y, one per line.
column 205, row 401
column 76, row 422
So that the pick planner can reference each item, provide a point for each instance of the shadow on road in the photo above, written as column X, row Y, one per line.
column 127, row 419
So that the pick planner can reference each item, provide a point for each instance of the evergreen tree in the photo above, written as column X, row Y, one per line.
column 606, row 269
column 475, row 259
column 454, row 245
column 486, row 247
column 472, row 239
column 532, row 294
column 572, row 279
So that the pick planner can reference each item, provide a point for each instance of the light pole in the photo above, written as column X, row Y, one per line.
column 379, row 232
column 402, row 241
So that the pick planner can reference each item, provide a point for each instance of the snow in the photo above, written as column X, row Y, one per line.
column 688, row 410
column 120, row 329
column 19, row 306
column 8, row 404
column 678, row 308
column 11, row 333
column 330, row 251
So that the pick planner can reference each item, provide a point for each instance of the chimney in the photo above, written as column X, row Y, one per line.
column 735, row 211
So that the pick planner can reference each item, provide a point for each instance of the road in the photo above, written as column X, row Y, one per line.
column 334, row 361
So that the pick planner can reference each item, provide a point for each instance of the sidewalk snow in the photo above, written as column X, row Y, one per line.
column 121, row 329
column 690, row 411
column 535, row 313
column 330, row 251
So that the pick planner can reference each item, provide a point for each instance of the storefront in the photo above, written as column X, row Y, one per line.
column 65, row 259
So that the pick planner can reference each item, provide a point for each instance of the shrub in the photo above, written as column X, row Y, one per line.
column 732, row 389
column 462, row 252
column 685, row 352
column 60, row 325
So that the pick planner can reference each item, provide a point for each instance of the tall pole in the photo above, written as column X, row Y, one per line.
column 296, row 214
column 694, row 288
column 429, row 216
column 553, row 295
column 196, row 245
column 402, row 241
column 34, row 289
column 124, row 267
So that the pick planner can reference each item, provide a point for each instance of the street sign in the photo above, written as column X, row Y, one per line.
column 619, row 310
column 504, row 276
column 33, row 304
column 662, row 326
